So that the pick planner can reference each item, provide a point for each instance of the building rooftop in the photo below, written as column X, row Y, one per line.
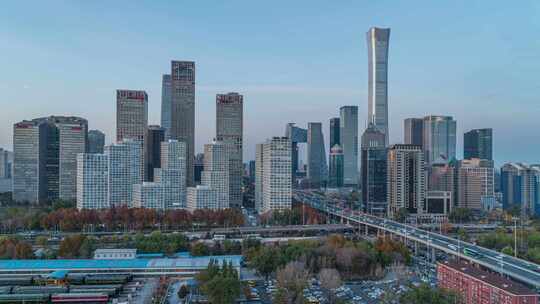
column 490, row 278
column 83, row 264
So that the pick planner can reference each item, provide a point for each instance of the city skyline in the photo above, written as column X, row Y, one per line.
column 414, row 91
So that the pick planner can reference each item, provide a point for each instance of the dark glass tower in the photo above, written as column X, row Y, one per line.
column 478, row 143
column 334, row 132
column 373, row 171
column 152, row 151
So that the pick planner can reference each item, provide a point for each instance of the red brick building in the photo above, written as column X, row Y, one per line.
column 477, row 286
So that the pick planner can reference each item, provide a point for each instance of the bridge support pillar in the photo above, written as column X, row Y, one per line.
column 366, row 230
column 432, row 255
column 415, row 248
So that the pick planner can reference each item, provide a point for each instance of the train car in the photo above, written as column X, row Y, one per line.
column 102, row 279
column 39, row 289
column 76, row 279
column 107, row 286
column 5, row 289
column 25, row 298
column 19, row 281
column 94, row 298
column 108, row 291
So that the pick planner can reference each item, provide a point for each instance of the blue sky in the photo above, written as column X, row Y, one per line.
column 293, row 61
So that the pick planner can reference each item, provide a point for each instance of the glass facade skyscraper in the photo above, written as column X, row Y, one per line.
column 336, row 167
column 349, row 143
column 373, row 171
column 377, row 41
column 316, row 155
column 334, row 132
column 439, row 139
column 478, row 143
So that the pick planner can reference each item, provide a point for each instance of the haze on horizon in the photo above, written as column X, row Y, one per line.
column 477, row 61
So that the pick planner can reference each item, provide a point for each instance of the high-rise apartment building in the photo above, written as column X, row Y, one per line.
column 155, row 135
column 96, row 141
column 336, row 167
column 149, row 195
column 334, row 132
column 349, row 143
column 414, row 131
column 405, row 179
column 172, row 174
column 29, row 171
column 125, row 160
column 49, row 146
column 92, row 181
column 378, row 41
column 201, row 197
column 131, row 115
column 216, row 171
column 439, row 138
column 183, row 109
column 478, row 143
column 475, row 181
column 276, row 175
column 6, row 182
column 259, row 154
column 166, row 106
column 229, row 130
column 373, row 171
column 316, row 156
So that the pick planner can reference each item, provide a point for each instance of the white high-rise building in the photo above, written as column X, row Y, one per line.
column 92, row 181
column 125, row 167
column 258, row 177
column 216, row 171
column 378, row 40
column 475, row 179
column 277, row 174
column 349, row 143
column 148, row 195
column 172, row 174
column 201, row 197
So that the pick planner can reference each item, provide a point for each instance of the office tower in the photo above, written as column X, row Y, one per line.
column 251, row 171
column 377, row 41
column 29, row 172
column 229, row 130
column 349, row 143
column 276, row 181
column 336, row 167
column 520, row 185
column 198, row 168
column 56, row 141
column 125, row 159
column 6, row 183
column 149, row 195
column 405, row 179
column 216, row 171
column 172, row 174
column 152, row 151
column 373, row 171
column 475, row 181
column 334, row 132
column 439, row 138
column 478, row 143
column 183, row 109
column 96, row 141
column 131, row 115
column 316, row 156
column 72, row 139
column 296, row 135
column 92, row 181
column 201, row 197
column 259, row 154
column 414, row 131
column 166, row 106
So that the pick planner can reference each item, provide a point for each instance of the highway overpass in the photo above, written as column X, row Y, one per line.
column 510, row 266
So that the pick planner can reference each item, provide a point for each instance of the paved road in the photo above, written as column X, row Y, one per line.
column 518, row 269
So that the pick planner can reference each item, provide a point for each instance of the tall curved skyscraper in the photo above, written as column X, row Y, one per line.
column 377, row 41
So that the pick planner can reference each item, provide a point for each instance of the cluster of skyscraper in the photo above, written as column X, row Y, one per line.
column 148, row 166
column 154, row 166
